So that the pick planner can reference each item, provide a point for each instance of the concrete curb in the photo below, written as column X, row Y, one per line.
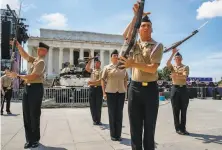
column 160, row 104
column 164, row 102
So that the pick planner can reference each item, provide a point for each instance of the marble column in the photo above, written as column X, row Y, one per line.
column 110, row 55
column 102, row 58
column 60, row 58
column 92, row 55
column 71, row 56
column 50, row 61
column 30, row 50
column 81, row 53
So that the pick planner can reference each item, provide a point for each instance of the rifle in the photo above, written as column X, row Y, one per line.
column 16, row 34
column 134, row 32
column 185, row 39
column 97, row 56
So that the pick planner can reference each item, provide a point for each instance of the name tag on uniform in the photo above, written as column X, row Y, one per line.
column 144, row 84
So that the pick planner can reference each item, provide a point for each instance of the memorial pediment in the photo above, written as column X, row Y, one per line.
column 80, row 36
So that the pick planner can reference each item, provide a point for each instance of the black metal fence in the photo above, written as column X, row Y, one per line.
column 80, row 95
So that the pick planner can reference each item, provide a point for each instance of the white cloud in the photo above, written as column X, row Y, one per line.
column 50, row 21
column 210, row 9
column 54, row 21
column 123, row 18
column 13, row 4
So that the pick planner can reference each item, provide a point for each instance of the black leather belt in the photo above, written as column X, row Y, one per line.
column 180, row 86
column 142, row 83
column 6, row 87
column 29, row 84
column 96, row 86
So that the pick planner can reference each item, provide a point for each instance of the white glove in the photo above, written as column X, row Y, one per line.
column 105, row 97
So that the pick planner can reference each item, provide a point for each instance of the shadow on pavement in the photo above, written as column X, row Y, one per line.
column 106, row 126
column 126, row 142
column 42, row 147
column 208, row 138
column 10, row 115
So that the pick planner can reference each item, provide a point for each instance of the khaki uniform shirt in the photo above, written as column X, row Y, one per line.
column 149, row 53
column 38, row 67
column 6, row 81
column 96, row 75
column 115, row 79
column 180, row 70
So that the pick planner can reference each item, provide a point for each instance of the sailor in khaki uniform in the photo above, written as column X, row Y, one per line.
column 114, row 84
column 6, row 83
column 95, row 93
column 179, row 93
column 143, row 96
column 33, row 93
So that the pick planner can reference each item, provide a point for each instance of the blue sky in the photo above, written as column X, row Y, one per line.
column 172, row 21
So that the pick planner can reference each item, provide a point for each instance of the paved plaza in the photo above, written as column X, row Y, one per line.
column 72, row 129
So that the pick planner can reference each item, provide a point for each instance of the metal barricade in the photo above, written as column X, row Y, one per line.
column 60, row 96
column 48, row 93
column 76, row 95
column 17, row 95
column 63, row 95
column 81, row 95
column 201, row 92
column 198, row 92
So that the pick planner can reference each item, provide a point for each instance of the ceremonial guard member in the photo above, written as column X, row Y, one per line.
column 33, row 93
column 143, row 90
column 114, row 85
column 6, row 84
column 179, row 93
column 95, row 96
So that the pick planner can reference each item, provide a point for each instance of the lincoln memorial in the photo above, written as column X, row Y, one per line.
column 69, row 46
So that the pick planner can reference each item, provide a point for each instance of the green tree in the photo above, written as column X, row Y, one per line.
column 166, row 74
column 160, row 74
column 220, row 82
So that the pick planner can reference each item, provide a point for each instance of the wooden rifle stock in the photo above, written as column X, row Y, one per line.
column 180, row 42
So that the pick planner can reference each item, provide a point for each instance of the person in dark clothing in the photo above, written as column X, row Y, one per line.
column 114, row 85
column 6, row 84
column 95, row 93
column 33, row 93
column 179, row 93
column 143, row 96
